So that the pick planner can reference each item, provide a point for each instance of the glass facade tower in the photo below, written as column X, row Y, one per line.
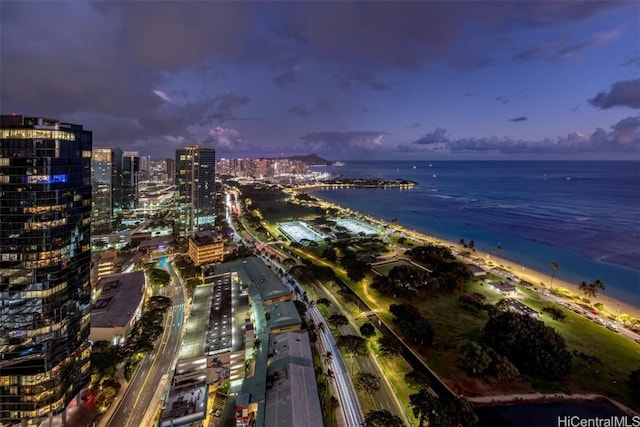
column 106, row 180
column 195, row 189
column 45, row 261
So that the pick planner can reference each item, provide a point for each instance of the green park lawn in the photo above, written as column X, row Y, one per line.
column 454, row 323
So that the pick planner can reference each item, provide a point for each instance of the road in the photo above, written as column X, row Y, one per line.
column 383, row 398
column 138, row 398
column 351, row 411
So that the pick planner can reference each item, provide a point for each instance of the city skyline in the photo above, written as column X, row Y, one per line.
column 348, row 81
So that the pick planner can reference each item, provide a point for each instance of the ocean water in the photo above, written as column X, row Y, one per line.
column 583, row 215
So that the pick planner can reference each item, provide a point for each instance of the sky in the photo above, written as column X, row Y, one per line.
column 345, row 80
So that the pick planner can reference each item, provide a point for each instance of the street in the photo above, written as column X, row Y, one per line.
column 132, row 409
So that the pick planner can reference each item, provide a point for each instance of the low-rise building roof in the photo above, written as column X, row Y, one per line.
column 292, row 393
column 504, row 287
column 119, row 297
column 257, row 276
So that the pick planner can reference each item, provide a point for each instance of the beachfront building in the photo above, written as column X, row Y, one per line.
column 476, row 271
column 205, row 248
column 504, row 288
column 117, row 306
column 518, row 307
column 45, row 267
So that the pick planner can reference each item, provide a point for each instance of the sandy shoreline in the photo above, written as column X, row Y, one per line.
column 611, row 305
column 536, row 278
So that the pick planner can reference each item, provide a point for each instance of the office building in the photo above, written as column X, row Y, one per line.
column 118, row 301
column 195, row 189
column 130, row 179
column 45, row 262
column 106, row 180
column 205, row 248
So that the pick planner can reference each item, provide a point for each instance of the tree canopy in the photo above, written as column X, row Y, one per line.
column 412, row 324
column 447, row 273
column 382, row 418
column 443, row 411
column 529, row 344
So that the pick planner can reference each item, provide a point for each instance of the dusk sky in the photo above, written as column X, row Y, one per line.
column 345, row 80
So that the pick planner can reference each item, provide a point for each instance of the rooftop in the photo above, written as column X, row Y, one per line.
column 120, row 296
column 292, row 393
column 261, row 281
column 504, row 286
column 204, row 238
column 282, row 314
column 193, row 343
column 185, row 404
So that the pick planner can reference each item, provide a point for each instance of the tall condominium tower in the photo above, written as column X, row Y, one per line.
column 130, row 178
column 45, row 262
column 106, row 180
column 195, row 189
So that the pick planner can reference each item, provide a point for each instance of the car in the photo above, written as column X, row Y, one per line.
column 637, row 340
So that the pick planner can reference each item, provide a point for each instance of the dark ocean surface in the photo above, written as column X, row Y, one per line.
column 584, row 215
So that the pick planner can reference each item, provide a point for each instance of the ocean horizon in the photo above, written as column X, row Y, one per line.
column 583, row 215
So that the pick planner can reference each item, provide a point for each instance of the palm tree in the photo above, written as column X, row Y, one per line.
column 590, row 290
column 555, row 267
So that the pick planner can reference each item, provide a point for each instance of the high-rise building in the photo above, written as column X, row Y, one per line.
column 45, row 262
column 106, row 180
column 130, row 179
column 195, row 189
column 170, row 168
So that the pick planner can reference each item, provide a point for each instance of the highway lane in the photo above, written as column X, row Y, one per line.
column 351, row 411
column 383, row 398
column 138, row 398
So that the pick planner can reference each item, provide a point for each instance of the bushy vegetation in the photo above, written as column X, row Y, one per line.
column 402, row 281
column 415, row 327
column 447, row 273
column 533, row 347
column 442, row 411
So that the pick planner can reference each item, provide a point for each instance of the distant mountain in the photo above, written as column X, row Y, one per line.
column 310, row 159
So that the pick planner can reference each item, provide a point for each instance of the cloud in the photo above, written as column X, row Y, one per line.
column 369, row 110
column 564, row 50
column 624, row 136
column 470, row 60
column 224, row 105
column 300, row 111
column 163, row 96
column 343, row 141
column 365, row 78
column 222, row 138
column 437, row 137
column 531, row 53
column 289, row 77
column 573, row 51
column 634, row 61
column 518, row 119
column 625, row 93
column 548, row 13
column 502, row 100
column 323, row 105
column 627, row 131
column 414, row 125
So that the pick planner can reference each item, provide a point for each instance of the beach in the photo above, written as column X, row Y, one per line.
column 491, row 260
column 536, row 278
